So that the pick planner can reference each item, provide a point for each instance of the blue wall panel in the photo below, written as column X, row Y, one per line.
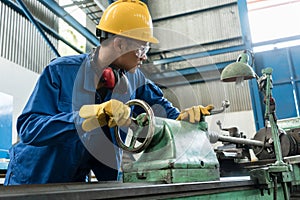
column 277, row 60
column 297, row 91
column 285, row 104
column 295, row 59
column 286, row 72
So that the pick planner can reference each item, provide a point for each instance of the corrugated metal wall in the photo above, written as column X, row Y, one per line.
column 197, row 26
column 20, row 41
column 188, row 27
column 211, row 92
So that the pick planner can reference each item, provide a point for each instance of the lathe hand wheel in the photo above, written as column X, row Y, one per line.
column 133, row 140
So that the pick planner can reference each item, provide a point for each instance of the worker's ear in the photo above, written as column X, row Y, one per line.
column 119, row 45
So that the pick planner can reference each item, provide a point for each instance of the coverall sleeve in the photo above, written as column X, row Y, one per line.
column 42, row 122
column 153, row 95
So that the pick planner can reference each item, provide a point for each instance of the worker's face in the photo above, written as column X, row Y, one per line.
column 135, row 53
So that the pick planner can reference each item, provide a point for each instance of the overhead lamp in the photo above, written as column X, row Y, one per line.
column 239, row 70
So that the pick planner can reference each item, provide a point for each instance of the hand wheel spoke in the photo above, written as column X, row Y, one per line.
column 132, row 142
column 135, row 136
column 137, row 129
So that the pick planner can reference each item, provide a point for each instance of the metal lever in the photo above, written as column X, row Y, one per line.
column 225, row 104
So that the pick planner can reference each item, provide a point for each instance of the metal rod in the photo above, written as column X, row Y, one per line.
column 242, row 141
column 269, row 116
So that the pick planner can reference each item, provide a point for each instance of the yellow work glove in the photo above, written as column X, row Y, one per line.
column 194, row 113
column 111, row 113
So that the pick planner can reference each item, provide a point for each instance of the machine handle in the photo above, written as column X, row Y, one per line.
column 133, row 146
column 225, row 104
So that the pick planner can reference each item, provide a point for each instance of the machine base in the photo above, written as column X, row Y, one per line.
column 172, row 175
column 233, row 188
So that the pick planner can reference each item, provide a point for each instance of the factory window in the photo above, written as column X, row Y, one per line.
column 273, row 20
column 68, row 32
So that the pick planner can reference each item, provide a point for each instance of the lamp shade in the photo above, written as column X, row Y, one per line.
column 238, row 69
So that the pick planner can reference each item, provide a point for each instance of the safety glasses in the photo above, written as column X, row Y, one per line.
column 142, row 50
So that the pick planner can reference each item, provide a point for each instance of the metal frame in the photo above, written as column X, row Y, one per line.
column 59, row 11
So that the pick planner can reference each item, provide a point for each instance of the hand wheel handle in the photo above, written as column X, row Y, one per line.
column 151, row 127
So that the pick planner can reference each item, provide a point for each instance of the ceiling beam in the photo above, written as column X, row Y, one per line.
column 59, row 11
column 99, row 4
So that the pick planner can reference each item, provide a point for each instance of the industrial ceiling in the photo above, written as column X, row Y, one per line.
column 92, row 8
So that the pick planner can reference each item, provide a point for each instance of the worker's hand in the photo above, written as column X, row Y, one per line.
column 111, row 113
column 194, row 113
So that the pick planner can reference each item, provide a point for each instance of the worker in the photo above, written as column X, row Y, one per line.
column 59, row 145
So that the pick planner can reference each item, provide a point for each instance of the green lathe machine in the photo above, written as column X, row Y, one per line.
column 180, row 152
column 173, row 152
column 175, row 159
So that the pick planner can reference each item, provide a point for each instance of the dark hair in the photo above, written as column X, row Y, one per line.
column 103, row 35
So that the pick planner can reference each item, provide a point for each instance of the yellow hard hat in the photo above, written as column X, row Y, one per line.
column 129, row 18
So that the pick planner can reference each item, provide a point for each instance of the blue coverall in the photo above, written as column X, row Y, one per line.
column 53, row 148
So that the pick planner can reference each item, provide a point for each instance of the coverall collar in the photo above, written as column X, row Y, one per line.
column 91, row 71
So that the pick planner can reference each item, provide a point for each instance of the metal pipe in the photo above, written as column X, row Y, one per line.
column 197, row 55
